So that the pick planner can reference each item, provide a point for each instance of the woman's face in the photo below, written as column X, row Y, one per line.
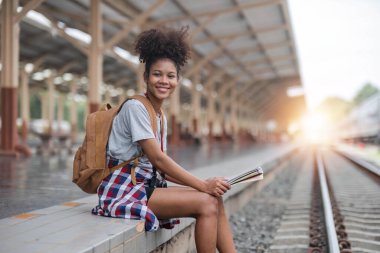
column 162, row 79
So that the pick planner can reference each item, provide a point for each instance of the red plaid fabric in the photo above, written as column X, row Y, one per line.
column 119, row 198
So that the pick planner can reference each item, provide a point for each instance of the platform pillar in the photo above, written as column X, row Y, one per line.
column 233, row 114
column 174, row 115
column 210, row 111
column 196, row 105
column 51, row 104
column 9, row 77
column 25, row 105
column 73, row 110
column 222, row 118
column 140, row 79
column 95, row 58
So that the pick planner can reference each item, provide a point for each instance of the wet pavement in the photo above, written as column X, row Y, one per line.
column 33, row 183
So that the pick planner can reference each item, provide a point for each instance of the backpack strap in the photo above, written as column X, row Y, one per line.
column 152, row 115
column 149, row 107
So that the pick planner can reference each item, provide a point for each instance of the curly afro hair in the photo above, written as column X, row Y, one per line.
column 155, row 44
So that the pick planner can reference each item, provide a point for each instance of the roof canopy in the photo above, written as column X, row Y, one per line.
column 244, row 44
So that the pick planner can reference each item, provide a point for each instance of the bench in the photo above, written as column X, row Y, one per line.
column 70, row 227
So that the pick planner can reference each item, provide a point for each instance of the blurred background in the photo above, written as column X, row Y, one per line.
column 337, row 46
column 305, row 68
column 263, row 72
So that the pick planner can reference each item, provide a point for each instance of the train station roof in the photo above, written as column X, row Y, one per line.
column 247, row 42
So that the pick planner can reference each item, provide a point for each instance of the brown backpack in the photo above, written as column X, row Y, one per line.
column 89, row 166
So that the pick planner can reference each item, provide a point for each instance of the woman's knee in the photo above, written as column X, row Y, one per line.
column 208, row 205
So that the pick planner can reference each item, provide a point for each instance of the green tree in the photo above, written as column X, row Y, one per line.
column 365, row 92
column 335, row 108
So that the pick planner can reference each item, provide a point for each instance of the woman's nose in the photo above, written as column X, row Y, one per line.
column 164, row 79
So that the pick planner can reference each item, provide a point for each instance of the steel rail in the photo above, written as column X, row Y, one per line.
column 328, row 213
column 362, row 163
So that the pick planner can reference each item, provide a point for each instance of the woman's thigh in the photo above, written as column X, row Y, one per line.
column 173, row 202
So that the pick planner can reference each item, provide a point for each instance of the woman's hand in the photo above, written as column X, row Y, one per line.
column 217, row 186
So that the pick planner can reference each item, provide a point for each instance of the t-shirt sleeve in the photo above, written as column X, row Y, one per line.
column 137, row 121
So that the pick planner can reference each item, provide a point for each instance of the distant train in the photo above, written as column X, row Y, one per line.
column 363, row 122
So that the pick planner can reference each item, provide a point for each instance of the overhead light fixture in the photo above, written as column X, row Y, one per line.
column 126, row 55
column 186, row 82
column 295, row 91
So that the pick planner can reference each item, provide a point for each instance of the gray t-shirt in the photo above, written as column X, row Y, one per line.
column 130, row 125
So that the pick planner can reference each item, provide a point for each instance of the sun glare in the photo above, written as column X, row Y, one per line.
column 312, row 128
column 315, row 128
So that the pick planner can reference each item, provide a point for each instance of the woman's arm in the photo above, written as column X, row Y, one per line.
column 173, row 180
column 215, row 186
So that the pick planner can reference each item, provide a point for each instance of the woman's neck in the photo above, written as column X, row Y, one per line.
column 155, row 102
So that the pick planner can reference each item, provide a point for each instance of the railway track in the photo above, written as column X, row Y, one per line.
column 334, row 206
column 355, row 199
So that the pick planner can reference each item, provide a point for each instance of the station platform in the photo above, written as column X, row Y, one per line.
column 40, row 182
column 367, row 152
column 65, row 212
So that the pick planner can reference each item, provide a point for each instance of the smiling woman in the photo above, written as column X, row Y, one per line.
column 139, row 190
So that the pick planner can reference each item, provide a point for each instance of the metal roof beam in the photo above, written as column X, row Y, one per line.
column 80, row 23
column 66, row 67
column 265, row 85
column 218, row 12
column 122, row 60
column 245, row 33
column 261, row 45
column 213, row 78
column 257, row 49
column 31, row 5
column 37, row 63
column 61, row 32
column 267, row 109
column 204, row 60
column 283, row 83
column 284, row 8
column 229, row 84
column 137, row 21
column 121, row 7
column 262, row 60
column 201, row 27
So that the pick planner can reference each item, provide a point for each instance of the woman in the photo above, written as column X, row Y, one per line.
column 164, row 52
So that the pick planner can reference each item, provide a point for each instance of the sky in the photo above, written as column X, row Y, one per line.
column 338, row 46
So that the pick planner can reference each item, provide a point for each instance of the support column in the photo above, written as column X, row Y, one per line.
column 95, row 59
column 45, row 148
column 233, row 109
column 51, row 104
column 140, row 78
column 210, row 111
column 44, row 106
column 122, row 97
column 9, row 77
column 73, row 110
column 175, row 108
column 61, row 102
column 196, row 105
column 107, row 97
column 25, row 105
column 222, row 117
column 62, row 135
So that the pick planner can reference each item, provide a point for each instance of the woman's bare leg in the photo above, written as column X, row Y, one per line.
column 224, row 243
column 185, row 202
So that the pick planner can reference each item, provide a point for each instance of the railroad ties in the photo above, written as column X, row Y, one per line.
column 335, row 207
